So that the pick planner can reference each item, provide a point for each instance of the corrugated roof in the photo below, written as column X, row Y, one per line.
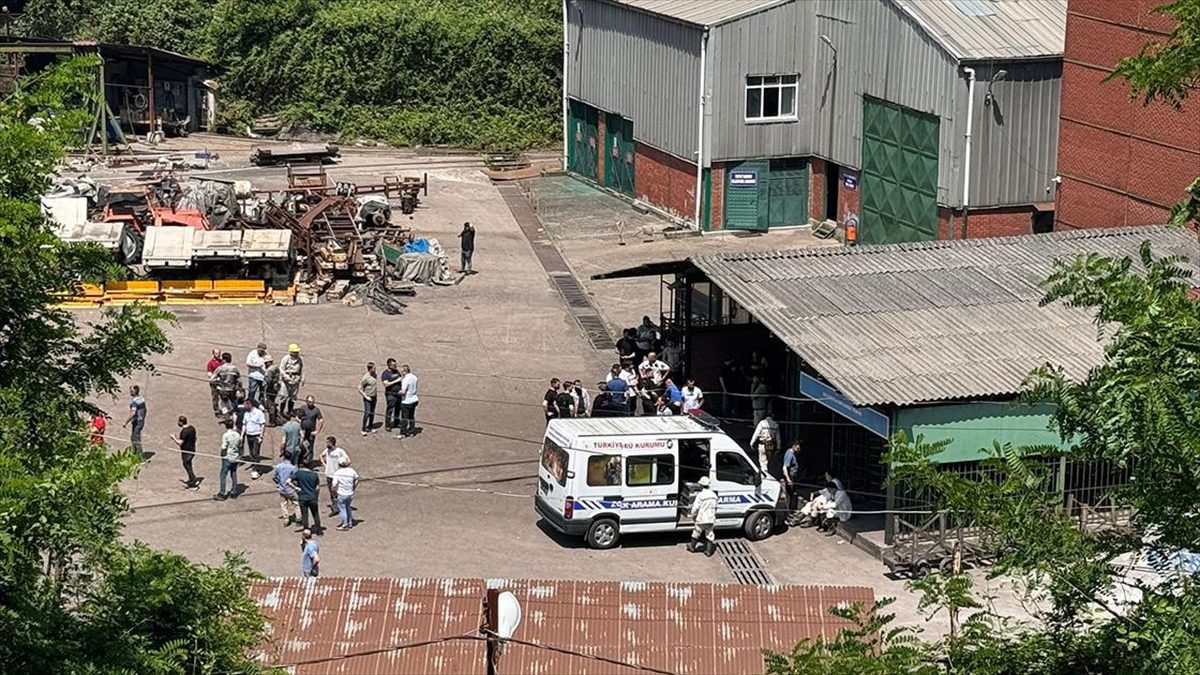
column 701, row 12
column 908, row 323
column 993, row 29
column 331, row 625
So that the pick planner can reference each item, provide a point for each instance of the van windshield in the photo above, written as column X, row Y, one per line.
column 554, row 460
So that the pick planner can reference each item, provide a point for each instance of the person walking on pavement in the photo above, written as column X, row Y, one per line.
column 186, row 441
column 137, row 418
column 284, row 471
column 765, row 440
column 311, row 423
column 230, row 456
column 292, row 373
column 270, row 390
column 307, row 485
column 310, row 555
column 704, row 513
column 408, row 402
column 468, row 248
column 368, row 388
column 390, row 379
column 332, row 457
column 256, row 371
column 214, row 363
column 228, row 381
column 346, row 480
column 291, row 438
column 253, row 423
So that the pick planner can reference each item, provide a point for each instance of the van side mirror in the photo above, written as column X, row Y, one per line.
column 757, row 478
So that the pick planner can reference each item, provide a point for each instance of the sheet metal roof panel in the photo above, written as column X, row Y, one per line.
column 702, row 12
column 908, row 323
column 1014, row 29
column 168, row 246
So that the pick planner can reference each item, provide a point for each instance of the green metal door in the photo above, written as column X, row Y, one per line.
column 584, row 123
column 746, row 197
column 787, row 193
column 899, row 174
column 618, row 154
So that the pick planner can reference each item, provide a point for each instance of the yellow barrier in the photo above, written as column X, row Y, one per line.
column 177, row 292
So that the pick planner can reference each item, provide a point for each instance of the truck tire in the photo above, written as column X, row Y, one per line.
column 759, row 525
column 604, row 533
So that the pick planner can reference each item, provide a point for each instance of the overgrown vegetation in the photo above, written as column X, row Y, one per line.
column 74, row 598
column 474, row 73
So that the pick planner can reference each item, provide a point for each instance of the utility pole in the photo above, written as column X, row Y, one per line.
column 491, row 623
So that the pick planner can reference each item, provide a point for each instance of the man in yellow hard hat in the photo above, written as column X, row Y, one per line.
column 291, row 373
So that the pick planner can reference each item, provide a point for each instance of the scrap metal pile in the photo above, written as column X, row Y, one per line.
column 308, row 240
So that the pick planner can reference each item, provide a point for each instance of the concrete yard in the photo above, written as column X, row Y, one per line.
column 456, row 500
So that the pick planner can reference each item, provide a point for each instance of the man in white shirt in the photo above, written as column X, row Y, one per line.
column 693, row 398
column 629, row 374
column 256, row 370
column 765, row 440
column 346, row 480
column 652, row 374
column 408, row 402
column 253, row 421
column 332, row 457
column 704, row 513
column 836, row 510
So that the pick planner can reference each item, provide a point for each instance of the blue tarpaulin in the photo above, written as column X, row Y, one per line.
column 417, row 246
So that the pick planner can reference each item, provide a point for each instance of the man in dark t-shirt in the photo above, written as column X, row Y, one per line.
column 307, row 484
column 550, row 400
column 186, row 440
column 565, row 402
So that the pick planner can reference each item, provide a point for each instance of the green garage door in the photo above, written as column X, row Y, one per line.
column 746, row 200
column 899, row 174
column 787, row 193
column 583, row 144
column 618, row 154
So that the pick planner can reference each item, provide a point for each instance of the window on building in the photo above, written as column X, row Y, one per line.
column 650, row 470
column 604, row 470
column 770, row 97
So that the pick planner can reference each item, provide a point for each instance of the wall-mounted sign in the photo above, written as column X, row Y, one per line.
column 743, row 178
column 850, row 179
column 868, row 418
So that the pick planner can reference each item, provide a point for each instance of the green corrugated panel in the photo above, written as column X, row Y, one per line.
column 899, row 174
column 618, row 154
column 973, row 428
column 584, row 121
column 746, row 205
column 787, row 193
column 706, row 216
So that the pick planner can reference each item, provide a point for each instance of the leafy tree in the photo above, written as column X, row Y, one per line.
column 73, row 597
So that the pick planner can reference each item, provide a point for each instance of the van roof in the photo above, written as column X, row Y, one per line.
column 627, row 426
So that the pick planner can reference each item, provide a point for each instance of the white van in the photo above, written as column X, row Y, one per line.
column 601, row 477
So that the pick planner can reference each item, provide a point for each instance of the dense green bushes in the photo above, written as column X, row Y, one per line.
column 477, row 73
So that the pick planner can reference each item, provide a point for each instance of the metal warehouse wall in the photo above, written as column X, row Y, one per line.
column 777, row 41
column 882, row 52
column 639, row 66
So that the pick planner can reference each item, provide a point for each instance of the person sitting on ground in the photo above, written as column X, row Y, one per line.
column 837, row 510
column 817, row 501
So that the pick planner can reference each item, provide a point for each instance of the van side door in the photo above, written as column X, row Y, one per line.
column 737, row 486
column 651, row 492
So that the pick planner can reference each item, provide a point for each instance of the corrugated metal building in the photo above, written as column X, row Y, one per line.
column 933, row 338
column 851, row 110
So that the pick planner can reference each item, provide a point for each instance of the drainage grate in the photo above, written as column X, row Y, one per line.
column 571, row 291
column 743, row 563
column 597, row 333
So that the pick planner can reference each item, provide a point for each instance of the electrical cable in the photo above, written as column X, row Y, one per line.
column 570, row 652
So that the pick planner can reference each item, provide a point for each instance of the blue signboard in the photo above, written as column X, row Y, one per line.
column 868, row 418
column 850, row 180
column 743, row 178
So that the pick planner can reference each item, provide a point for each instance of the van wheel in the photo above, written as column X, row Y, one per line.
column 603, row 533
column 759, row 525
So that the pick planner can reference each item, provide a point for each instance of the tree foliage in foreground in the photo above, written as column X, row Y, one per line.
column 73, row 597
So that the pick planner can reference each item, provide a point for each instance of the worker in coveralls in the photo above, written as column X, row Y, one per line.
column 704, row 512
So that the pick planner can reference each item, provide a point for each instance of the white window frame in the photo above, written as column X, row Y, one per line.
column 761, row 83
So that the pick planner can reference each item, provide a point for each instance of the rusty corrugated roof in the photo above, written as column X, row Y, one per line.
column 334, row 625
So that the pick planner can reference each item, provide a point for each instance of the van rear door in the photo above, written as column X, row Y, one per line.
column 552, row 477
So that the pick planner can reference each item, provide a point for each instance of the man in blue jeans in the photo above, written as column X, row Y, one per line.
column 230, row 456
column 346, row 480
column 137, row 417
column 368, row 388
column 408, row 402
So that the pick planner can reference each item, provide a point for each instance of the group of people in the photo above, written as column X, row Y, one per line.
column 823, row 508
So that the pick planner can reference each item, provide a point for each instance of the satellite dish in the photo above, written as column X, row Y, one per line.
column 508, row 611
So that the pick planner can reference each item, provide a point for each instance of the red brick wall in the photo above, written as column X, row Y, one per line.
column 1121, row 163
column 944, row 216
column 1003, row 222
column 816, row 188
column 717, row 217
column 602, row 141
column 665, row 181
